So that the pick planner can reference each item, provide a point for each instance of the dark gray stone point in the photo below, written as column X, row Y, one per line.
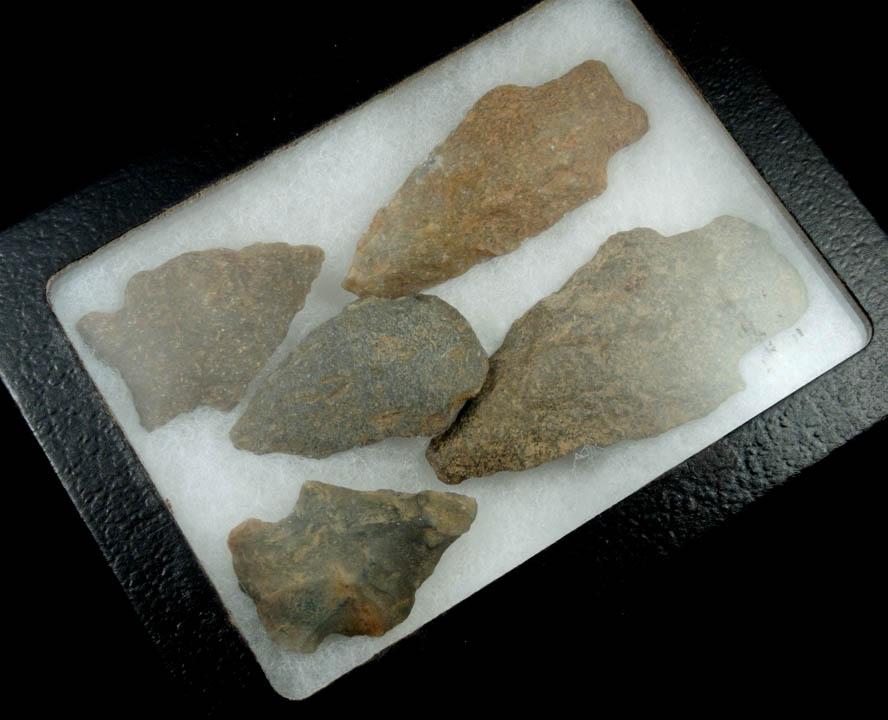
column 644, row 337
column 380, row 368
column 197, row 329
column 344, row 561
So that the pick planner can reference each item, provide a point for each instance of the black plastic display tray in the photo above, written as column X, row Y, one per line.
column 596, row 607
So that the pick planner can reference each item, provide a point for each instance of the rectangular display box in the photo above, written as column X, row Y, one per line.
column 106, row 478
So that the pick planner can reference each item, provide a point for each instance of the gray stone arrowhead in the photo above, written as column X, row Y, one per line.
column 644, row 337
column 344, row 561
column 197, row 329
column 378, row 369
column 521, row 159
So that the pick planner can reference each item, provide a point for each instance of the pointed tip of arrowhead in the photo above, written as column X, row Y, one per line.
column 351, row 283
column 365, row 284
column 243, row 439
column 437, row 456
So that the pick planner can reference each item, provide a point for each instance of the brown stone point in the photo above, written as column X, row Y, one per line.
column 521, row 159
column 344, row 561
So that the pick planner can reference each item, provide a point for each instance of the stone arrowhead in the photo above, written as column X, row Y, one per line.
column 197, row 329
column 344, row 561
column 521, row 159
column 380, row 368
column 644, row 337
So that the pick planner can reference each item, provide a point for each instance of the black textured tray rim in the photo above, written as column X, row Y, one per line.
column 142, row 543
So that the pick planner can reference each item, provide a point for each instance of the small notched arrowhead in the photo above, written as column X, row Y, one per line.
column 644, row 337
column 344, row 561
column 197, row 329
column 521, row 159
column 381, row 368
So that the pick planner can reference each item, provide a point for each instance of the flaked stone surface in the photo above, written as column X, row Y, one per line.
column 197, row 329
column 644, row 337
column 521, row 159
column 344, row 561
column 380, row 368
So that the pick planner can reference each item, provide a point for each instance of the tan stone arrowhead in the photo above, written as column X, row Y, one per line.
column 521, row 159
column 644, row 337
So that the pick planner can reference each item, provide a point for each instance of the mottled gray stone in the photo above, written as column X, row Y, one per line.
column 521, row 159
column 380, row 368
column 197, row 329
column 344, row 561
column 644, row 337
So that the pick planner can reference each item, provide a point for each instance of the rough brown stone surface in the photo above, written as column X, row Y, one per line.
column 197, row 329
column 521, row 158
column 378, row 369
column 344, row 561
column 644, row 337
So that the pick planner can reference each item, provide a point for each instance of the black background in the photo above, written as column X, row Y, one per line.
column 781, row 598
